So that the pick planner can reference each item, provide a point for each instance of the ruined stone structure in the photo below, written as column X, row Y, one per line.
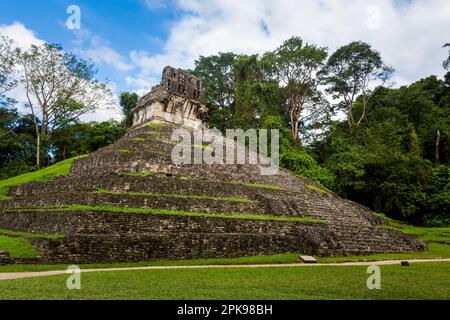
column 192, row 211
column 176, row 100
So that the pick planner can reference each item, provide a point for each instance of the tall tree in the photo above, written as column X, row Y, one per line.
column 217, row 75
column 447, row 62
column 59, row 89
column 295, row 65
column 246, row 99
column 352, row 71
column 128, row 101
column 7, row 60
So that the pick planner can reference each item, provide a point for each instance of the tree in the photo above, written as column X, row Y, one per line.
column 217, row 75
column 246, row 111
column 447, row 62
column 351, row 72
column 7, row 60
column 16, row 143
column 59, row 89
column 128, row 101
column 294, row 66
column 83, row 138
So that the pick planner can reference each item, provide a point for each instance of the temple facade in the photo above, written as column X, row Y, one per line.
column 177, row 99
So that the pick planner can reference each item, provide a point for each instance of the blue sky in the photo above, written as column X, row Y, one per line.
column 130, row 41
column 124, row 25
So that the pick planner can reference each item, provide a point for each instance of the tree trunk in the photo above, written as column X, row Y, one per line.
column 438, row 141
column 38, row 151
column 294, row 128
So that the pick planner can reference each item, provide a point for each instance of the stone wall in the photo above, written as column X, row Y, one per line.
column 108, row 237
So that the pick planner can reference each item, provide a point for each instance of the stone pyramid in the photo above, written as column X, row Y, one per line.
column 129, row 202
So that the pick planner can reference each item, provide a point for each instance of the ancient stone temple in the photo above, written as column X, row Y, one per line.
column 176, row 100
column 130, row 202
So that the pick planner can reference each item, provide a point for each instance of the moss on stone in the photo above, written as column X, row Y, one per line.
column 24, row 234
column 155, row 125
column 106, row 208
column 179, row 196
column 140, row 174
column 321, row 190
column 258, row 185
column 152, row 133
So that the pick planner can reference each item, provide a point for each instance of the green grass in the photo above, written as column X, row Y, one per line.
column 321, row 190
column 17, row 247
column 24, row 234
column 124, row 151
column 419, row 281
column 104, row 208
column 141, row 174
column 60, row 169
column 152, row 133
column 179, row 196
column 138, row 139
column 258, row 185
column 155, row 125
column 427, row 234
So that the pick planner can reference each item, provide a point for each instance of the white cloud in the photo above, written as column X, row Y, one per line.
column 89, row 46
column 22, row 36
column 409, row 34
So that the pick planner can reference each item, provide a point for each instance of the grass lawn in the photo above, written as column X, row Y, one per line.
column 419, row 281
column 17, row 247
column 60, row 169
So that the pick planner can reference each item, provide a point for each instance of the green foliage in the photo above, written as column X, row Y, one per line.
column 84, row 138
column 217, row 75
column 350, row 72
column 391, row 162
column 128, row 101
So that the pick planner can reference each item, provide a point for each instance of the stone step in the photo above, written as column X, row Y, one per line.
column 138, row 201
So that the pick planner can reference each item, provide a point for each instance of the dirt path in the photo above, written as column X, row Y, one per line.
column 22, row 275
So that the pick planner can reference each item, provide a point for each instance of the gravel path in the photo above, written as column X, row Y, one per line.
column 22, row 275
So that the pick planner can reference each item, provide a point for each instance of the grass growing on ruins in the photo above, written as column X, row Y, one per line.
column 155, row 125
column 152, row 133
column 321, row 190
column 124, row 151
column 60, row 169
column 141, row 174
column 419, row 281
column 104, row 208
column 259, row 185
column 17, row 247
column 29, row 234
column 179, row 196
